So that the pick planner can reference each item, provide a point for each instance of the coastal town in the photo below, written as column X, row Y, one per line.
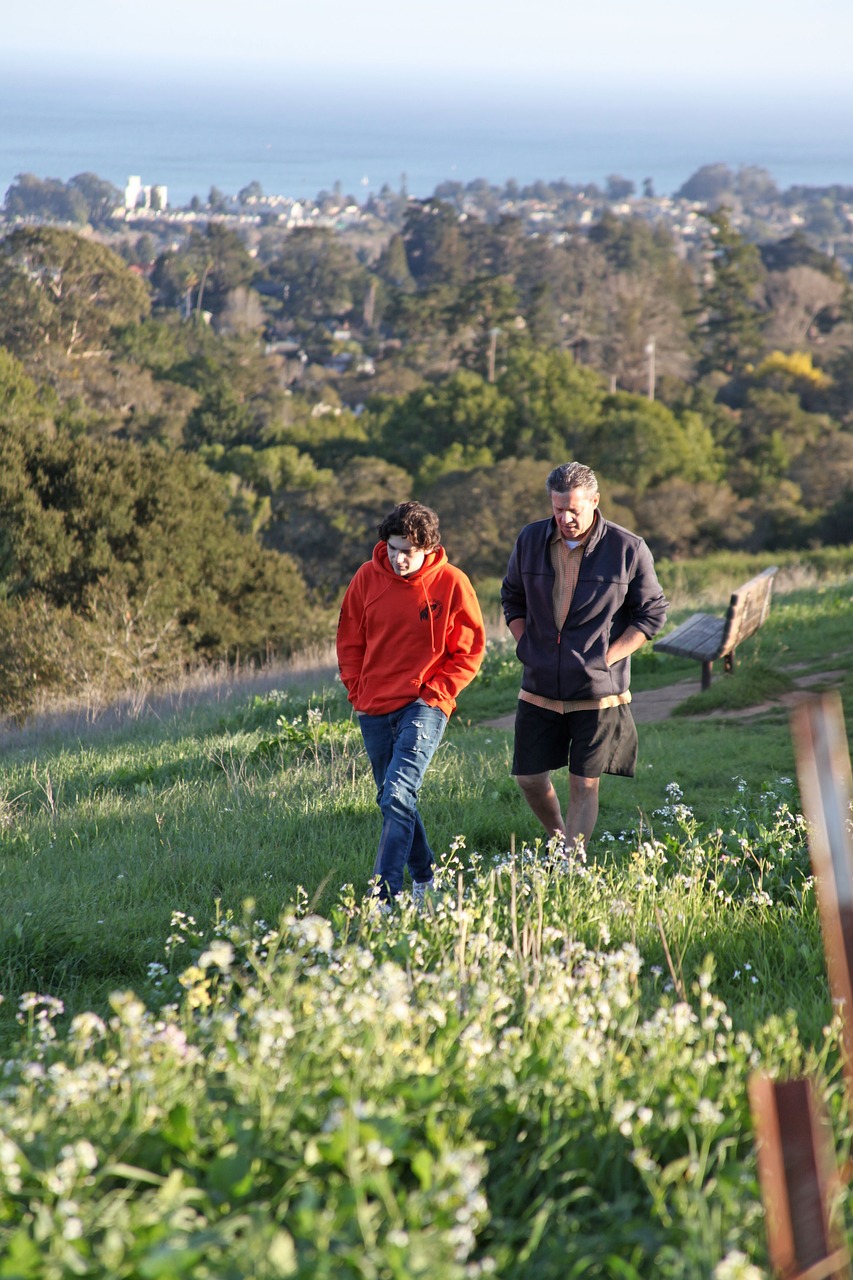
column 557, row 210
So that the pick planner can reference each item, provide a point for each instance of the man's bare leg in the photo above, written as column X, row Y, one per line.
column 538, row 791
column 583, row 809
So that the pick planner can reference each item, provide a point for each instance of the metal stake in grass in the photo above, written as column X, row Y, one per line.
column 823, row 769
column 800, row 1183
column 799, row 1180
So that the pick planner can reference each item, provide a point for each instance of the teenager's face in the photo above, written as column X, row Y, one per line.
column 574, row 511
column 405, row 558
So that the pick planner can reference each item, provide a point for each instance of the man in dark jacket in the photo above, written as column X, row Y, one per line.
column 580, row 596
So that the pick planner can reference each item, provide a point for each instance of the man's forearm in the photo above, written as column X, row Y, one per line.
column 517, row 627
column 631, row 639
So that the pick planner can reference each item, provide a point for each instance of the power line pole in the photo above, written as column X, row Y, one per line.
column 650, row 352
column 493, row 346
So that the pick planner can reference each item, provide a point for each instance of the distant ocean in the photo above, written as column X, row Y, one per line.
column 298, row 139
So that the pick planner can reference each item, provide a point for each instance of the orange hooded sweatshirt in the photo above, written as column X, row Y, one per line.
column 405, row 638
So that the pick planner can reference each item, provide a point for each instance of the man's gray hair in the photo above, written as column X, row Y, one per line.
column 572, row 475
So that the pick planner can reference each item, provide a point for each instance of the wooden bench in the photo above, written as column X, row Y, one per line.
column 706, row 637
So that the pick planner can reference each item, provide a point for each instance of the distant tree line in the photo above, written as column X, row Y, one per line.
column 85, row 198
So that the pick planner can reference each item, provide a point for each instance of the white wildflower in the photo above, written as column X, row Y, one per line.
column 313, row 931
column 736, row 1266
column 707, row 1113
column 219, row 955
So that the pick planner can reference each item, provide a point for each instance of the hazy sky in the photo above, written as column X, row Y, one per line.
column 746, row 43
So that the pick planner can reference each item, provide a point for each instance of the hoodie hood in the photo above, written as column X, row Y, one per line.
column 421, row 580
column 432, row 564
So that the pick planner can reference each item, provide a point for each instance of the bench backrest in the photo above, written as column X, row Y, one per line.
column 748, row 608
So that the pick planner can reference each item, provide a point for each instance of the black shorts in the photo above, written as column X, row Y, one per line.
column 589, row 742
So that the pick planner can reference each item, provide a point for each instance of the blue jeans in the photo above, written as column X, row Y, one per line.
column 400, row 746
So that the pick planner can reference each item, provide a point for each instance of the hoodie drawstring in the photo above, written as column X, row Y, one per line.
column 429, row 615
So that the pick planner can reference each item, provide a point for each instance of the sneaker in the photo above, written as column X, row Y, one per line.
column 421, row 891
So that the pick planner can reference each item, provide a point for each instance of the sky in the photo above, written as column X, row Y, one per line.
column 740, row 45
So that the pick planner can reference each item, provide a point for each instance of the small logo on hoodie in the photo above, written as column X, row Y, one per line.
column 435, row 608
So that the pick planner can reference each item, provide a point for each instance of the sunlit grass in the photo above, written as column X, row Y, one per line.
column 543, row 1074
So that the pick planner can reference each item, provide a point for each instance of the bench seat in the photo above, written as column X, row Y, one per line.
column 707, row 637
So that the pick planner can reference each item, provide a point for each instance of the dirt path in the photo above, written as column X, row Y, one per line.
column 658, row 704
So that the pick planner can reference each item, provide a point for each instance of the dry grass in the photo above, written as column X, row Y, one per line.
column 205, row 686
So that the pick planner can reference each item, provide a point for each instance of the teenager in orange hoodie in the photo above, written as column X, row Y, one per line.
column 410, row 638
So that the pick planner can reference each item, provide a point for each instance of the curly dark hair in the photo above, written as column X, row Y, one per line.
column 414, row 521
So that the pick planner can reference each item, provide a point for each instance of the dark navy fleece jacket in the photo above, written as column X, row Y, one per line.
column 617, row 588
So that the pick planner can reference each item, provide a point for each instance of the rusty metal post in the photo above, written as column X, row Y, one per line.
column 799, row 1180
column 799, row 1177
column 823, row 769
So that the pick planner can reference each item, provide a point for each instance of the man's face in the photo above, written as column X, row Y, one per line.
column 574, row 511
column 405, row 558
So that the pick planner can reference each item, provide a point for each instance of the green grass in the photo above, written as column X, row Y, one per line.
column 100, row 841
column 699, row 863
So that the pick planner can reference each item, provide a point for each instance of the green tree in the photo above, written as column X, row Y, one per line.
column 102, row 198
column 59, row 289
column 462, row 409
column 456, row 457
column 201, row 275
column 330, row 529
column 419, row 322
column 80, row 517
column 555, row 404
column 559, row 289
column 216, row 201
column 279, row 466
column 482, row 509
column 331, row 440
column 157, row 344
column 710, row 184
column 22, row 403
column 239, row 388
column 755, row 185
column 618, row 188
column 393, row 265
column 45, row 198
column 316, row 274
column 252, row 192
column 640, row 443
column 435, row 246
column 773, row 432
column 485, row 310
column 630, row 244
column 729, row 326
column 220, row 417
column 682, row 519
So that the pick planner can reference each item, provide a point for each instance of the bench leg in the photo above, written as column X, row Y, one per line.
column 706, row 674
column 729, row 662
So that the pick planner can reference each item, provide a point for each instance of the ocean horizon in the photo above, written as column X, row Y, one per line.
column 299, row 137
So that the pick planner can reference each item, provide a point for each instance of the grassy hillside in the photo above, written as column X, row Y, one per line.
column 544, row 1075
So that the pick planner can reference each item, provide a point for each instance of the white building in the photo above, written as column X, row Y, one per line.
column 132, row 191
column 150, row 197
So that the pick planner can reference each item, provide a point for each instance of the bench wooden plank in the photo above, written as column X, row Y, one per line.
column 706, row 637
column 701, row 636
